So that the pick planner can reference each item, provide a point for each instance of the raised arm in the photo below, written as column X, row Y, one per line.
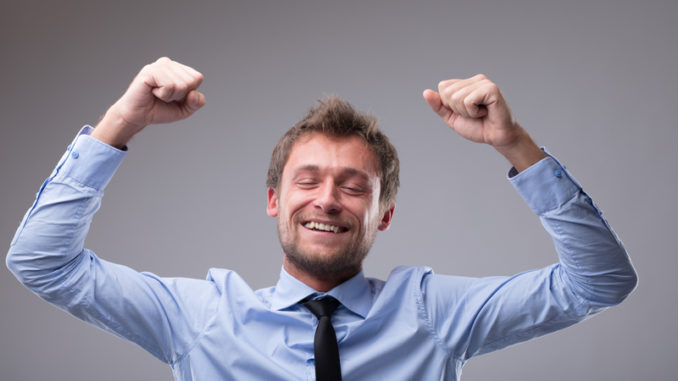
column 475, row 316
column 163, row 92
column 48, row 255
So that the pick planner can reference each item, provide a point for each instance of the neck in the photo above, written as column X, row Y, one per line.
column 318, row 282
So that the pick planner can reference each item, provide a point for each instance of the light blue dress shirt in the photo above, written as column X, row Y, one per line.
column 416, row 325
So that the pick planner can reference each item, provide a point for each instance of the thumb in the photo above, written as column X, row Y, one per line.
column 195, row 100
column 436, row 103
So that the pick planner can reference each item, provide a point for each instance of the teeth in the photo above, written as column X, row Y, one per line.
column 321, row 226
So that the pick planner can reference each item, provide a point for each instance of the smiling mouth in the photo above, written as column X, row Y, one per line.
column 312, row 225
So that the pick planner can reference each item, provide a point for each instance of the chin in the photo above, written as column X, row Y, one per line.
column 324, row 264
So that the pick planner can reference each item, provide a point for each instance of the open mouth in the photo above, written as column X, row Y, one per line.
column 319, row 226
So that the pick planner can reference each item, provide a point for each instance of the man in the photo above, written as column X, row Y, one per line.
column 331, row 185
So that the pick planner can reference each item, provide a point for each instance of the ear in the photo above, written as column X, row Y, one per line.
column 272, row 205
column 386, row 218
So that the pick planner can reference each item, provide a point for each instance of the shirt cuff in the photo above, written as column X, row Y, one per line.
column 545, row 185
column 89, row 161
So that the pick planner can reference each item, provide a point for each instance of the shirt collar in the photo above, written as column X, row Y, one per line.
column 355, row 294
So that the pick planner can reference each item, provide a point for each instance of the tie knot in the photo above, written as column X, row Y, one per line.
column 322, row 307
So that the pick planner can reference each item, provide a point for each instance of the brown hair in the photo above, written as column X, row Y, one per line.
column 336, row 117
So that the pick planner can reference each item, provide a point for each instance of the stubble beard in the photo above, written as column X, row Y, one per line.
column 345, row 262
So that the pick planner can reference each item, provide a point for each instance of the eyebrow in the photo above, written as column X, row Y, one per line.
column 344, row 171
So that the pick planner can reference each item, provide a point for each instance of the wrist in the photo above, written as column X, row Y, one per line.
column 114, row 130
column 522, row 152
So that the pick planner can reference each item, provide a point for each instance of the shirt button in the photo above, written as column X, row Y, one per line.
column 75, row 155
column 557, row 173
column 68, row 148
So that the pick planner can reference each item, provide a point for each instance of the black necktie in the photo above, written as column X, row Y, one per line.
column 325, row 348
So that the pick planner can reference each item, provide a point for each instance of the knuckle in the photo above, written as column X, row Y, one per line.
column 181, row 87
column 146, row 69
column 168, row 90
column 197, row 80
column 446, row 84
column 160, row 93
column 492, row 87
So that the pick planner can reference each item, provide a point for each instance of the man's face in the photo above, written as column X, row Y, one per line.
column 327, row 204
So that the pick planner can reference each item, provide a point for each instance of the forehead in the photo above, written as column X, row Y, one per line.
column 331, row 153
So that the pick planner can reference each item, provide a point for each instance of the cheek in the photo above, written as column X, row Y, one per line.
column 363, row 211
column 292, row 203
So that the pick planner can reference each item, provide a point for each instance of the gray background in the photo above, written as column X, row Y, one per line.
column 594, row 81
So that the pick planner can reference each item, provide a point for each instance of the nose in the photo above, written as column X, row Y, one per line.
column 326, row 199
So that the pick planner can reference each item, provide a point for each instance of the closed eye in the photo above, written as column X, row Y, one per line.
column 305, row 184
column 353, row 190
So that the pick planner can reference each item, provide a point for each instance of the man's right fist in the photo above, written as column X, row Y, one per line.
column 163, row 92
